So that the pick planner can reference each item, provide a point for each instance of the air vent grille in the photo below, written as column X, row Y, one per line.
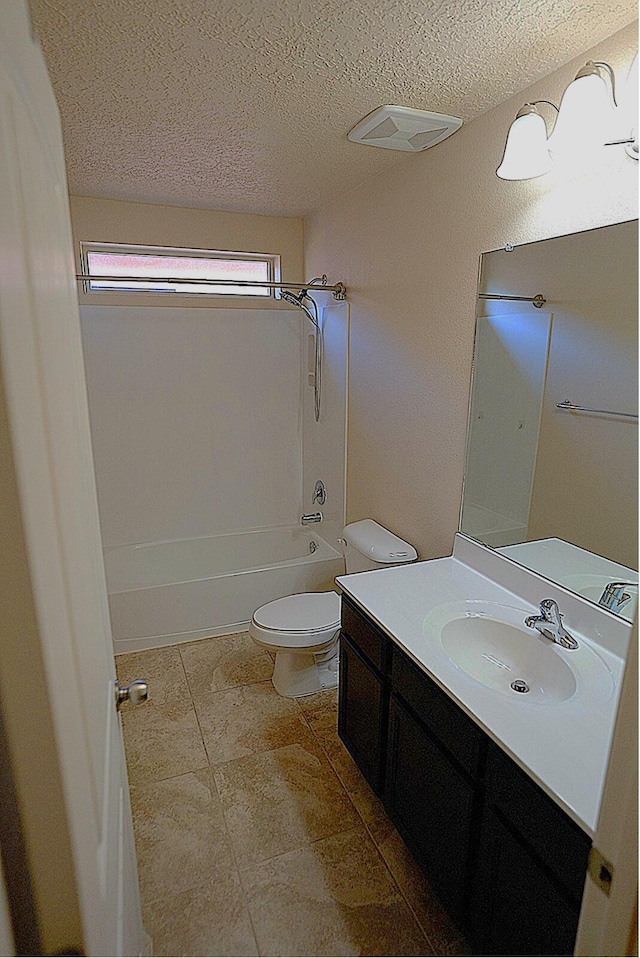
column 401, row 128
column 381, row 130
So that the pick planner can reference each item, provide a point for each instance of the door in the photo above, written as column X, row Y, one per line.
column 43, row 384
column 609, row 916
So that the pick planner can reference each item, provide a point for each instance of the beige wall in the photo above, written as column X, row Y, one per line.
column 112, row 221
column 407, row 245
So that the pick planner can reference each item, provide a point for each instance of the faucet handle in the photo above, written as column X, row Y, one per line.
column 549, row 609
column 551, row 615
column 319, row 493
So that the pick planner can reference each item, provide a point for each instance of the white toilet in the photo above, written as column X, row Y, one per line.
column 303, row 629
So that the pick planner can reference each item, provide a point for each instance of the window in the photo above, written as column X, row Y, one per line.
column 131, row 262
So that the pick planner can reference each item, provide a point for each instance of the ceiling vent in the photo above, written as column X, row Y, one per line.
column 401, row 128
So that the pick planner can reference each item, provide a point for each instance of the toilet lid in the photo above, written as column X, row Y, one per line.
column 306, row 612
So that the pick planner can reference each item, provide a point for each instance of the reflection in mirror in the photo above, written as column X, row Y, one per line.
column 556, row 489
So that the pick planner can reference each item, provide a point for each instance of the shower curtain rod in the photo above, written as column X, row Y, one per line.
column 538, row 300
column 339, row 290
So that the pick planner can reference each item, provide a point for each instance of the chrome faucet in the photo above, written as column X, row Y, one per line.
column 311, row 517
column 319, row 493
column 549, row 624
column 614, row 597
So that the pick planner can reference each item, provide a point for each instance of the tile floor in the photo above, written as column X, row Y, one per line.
column 256, row 833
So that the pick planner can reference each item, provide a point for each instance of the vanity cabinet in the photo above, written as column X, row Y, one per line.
column 433, row 794
column 532, row 863
column 431, row 802
column 507, row 863
column 363, row 700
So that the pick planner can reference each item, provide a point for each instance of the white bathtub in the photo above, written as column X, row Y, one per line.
column 166, row 592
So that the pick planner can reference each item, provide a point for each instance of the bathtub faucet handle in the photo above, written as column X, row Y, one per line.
column 319, row 493
column 310, row 517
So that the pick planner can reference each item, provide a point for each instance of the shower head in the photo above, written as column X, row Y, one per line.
column 290, row 298
column 294, row 300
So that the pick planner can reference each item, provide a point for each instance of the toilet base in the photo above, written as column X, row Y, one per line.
column 296, row 674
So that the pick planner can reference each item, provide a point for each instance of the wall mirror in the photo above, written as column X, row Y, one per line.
column 552, row 486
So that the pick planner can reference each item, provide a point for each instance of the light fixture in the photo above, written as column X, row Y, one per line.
column 586, row 111
column 585, row 121
column 630, row 106
column 628, row 113
column 526, row 153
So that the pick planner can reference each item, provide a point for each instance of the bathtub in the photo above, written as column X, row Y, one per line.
column 166, row 592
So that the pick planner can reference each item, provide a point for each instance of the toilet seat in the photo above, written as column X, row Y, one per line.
column 303, row 632
column 302, row 621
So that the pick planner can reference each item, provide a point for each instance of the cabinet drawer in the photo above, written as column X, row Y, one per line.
column 366, row 637
column 555, row 838
column 444, row 719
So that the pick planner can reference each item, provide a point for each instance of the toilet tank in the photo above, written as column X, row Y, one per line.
column 369, row 545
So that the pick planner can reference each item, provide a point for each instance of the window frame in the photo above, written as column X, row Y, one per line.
column 271, row 259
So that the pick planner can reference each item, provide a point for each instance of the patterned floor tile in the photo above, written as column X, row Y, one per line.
column 334, row 897
column 275, row 801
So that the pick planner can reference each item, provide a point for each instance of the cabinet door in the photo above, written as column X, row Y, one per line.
column 361, row 713
column 518, row 908
column 432, row 804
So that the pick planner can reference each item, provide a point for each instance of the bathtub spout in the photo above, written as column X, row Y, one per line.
column 311, row 517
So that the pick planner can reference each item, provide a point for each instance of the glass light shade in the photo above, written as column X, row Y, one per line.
column 585, row 118
column 526, row 154
column 629, row 108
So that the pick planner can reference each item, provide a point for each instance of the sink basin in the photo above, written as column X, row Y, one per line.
column 508, row 659
column 490, row 644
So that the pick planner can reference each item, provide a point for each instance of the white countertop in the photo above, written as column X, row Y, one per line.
column 563, row 746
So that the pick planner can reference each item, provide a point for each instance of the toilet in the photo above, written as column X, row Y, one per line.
column 302, row 630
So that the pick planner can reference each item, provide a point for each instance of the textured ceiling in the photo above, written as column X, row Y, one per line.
column 245, row 105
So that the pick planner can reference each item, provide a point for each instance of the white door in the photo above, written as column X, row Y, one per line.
column 43, row 378
column 609, row 916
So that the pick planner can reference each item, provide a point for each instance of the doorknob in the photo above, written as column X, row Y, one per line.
column 134, row 693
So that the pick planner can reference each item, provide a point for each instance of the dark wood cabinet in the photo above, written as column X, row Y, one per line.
column 363, row 700
column 361, row 714
column 519, row 907
column 433, row 805
column 532, row 863
column 504, row 858
column 440, row 716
